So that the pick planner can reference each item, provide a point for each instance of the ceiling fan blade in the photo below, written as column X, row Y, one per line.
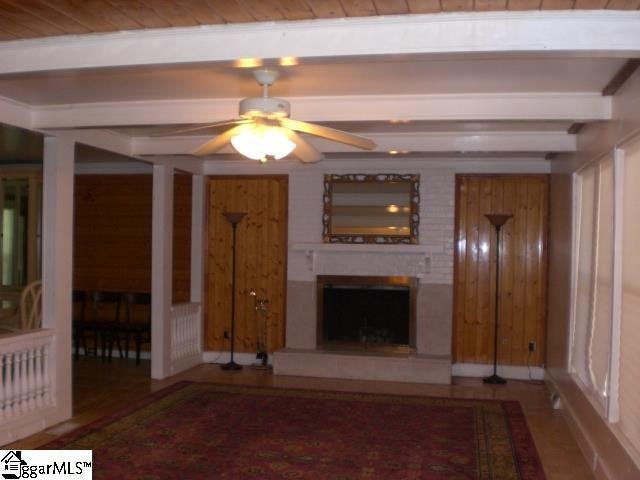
column 304, row 151
column 329, row 133
column 217, row 142
column 238, row 121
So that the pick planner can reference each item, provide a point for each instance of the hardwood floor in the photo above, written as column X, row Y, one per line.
column 100, row 389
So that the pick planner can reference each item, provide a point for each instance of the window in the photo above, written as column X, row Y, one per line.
column 593, row 281
column 628, row 387
column 605, row 326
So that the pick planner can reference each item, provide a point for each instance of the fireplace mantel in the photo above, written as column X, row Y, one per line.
column 423, row 250
column 417, row 254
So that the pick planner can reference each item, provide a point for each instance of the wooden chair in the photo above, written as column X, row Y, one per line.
column 9, row 311
column 105, row 320
column 79, row 304
column 29, row 311
column 31, row 306
column 138, row 326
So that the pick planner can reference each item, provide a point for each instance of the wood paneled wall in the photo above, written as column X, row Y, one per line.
column 523, row 268
column 112, row 233
column 261, row 251
column 182, row 191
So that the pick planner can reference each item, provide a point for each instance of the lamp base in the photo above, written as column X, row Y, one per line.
column 494, row 380
column 231, row 366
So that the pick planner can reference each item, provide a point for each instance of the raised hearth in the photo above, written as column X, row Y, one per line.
column 363, row 365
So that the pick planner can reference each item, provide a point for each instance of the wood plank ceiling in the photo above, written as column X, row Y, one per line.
column 21, row 19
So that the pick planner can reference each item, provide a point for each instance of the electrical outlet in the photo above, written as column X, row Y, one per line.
column 532, row 346
column 226, row 335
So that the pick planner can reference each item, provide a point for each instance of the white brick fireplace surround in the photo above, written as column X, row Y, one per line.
column 431, row 261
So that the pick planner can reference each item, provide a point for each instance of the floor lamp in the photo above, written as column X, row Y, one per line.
column 497, row 220
column 234, row 219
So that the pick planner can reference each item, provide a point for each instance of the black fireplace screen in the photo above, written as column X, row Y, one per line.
column 366, row 314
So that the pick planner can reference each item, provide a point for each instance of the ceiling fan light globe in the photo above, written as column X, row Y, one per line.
column 257, row 142
column 248, row 144
column 277, row 144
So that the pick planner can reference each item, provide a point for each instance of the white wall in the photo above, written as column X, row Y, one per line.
column 437, row 190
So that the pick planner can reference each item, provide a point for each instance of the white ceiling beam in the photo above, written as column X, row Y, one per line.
column 463, row 142
column 113, row 168
column 187, row 164
column 581, row 107
column 123, row 145
column 495, row 165
column 15, row 113
column 606, row 32
column 413, row 142
column 102, row 139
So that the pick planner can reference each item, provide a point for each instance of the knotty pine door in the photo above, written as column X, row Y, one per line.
column 523, row 268
column 261, row 250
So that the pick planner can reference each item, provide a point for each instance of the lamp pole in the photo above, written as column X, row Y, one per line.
column 234, row 218
column 497, row 220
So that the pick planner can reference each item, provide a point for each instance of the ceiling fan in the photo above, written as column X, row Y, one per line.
column 265, row 130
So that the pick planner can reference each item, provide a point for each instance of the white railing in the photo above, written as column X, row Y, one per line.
column 25, row 374
column 186, row 336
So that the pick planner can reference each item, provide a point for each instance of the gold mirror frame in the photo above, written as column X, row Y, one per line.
column 413, row 215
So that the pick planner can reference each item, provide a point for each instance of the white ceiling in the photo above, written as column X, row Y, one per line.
column 479, row 93
column 402, row 75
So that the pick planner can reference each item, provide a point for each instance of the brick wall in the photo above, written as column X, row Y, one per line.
column 437, row 193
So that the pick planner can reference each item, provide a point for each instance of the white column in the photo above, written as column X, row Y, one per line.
column 161, row 271
column 197, row 238
column 57, row 264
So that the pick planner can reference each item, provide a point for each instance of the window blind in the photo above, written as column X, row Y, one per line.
column 591, row 323
column 629, row 380
column 600, row 338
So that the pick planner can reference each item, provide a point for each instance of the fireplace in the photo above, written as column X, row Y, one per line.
column 366, row 313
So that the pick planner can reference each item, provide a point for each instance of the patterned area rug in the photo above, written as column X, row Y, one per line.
column 208, row 431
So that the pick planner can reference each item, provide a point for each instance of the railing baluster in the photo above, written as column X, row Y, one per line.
column 25, row 382
column 3, row 385
column 14, row 389
column 46, row 383
column 38, row 376
column 185, row 331
column 31, row 377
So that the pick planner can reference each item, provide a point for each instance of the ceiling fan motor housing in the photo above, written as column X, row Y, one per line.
column 266, row 107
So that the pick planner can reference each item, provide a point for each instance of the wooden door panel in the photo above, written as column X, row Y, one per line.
column 523, row 268
column 260, row 260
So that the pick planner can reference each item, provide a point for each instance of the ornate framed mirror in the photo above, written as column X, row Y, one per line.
column 365, row 208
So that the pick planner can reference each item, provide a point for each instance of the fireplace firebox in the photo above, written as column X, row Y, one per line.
column 366, row 313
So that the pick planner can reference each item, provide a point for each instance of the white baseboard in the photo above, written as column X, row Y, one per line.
column 506, row 371
column 223, row 357
column 115, row 354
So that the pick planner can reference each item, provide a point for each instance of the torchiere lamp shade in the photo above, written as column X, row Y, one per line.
column 498, row 219
column 234, row 217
